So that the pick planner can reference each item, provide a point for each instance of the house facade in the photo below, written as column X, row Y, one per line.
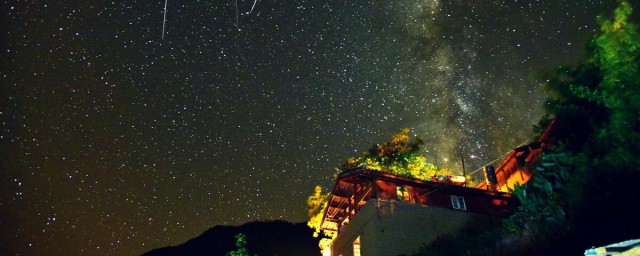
column 376, row 213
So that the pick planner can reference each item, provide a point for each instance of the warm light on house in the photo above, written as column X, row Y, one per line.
column 356, row 247
column 378, row 213
column 326, row 251
column 517, row 167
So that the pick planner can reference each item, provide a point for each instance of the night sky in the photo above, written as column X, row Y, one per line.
column 114, row 141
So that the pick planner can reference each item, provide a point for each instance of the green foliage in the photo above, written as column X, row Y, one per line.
column 617, row 54
column 317, row 204
column 598, row 103
column 584, row 192
column 578, row 117
column 241, row 245
column 597, row 106
column 542, row 201
column 401, row 156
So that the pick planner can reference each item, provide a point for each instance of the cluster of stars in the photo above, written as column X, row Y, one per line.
column 116, row 141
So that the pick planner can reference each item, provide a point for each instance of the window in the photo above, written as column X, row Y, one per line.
column 356, row 247
column 457, row 202
column 402, row 193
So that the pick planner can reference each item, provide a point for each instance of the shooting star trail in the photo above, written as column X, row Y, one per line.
column 164, row 20
column 237, row 21
column 254, row 5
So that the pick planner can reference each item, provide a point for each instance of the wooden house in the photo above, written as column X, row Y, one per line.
column 376, row 213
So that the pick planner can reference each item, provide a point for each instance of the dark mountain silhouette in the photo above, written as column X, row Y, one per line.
column 263, row 238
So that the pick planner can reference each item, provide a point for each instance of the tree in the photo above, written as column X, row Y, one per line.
column 584, row 192
column 401, row 156
column 241, row 244
column 317, row 203
column 594, row 163
column 617, row 53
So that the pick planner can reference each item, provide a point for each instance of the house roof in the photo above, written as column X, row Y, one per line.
column 344, row 188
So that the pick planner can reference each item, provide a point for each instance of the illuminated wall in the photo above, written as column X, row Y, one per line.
column 393, row 228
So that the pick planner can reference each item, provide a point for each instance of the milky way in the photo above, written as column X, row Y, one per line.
column 117, row 138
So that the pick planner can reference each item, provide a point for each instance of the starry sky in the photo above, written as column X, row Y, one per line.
column 115, row 140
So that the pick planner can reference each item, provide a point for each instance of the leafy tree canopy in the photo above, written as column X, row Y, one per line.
column 241, row 244
column 401, row 156
column 584, row 192
column 595, row 161
column 317, row 203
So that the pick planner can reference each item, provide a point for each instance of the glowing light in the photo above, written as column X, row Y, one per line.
column 326, row 251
